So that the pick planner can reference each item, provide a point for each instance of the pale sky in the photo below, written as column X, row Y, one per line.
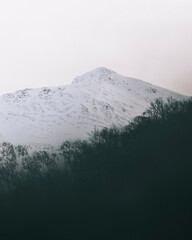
column 49, row 42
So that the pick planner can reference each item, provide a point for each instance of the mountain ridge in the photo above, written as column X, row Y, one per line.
column 96, row 99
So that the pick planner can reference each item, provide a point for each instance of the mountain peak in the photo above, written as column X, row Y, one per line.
column 100, row 73
column 101, row 70
column 100, row 98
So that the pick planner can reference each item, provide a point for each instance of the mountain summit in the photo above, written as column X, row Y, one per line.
column 100, row 98
column 97, row 75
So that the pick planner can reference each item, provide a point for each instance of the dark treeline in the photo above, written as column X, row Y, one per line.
column 131, row 183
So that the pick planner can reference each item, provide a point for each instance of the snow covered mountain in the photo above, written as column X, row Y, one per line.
column 99, row 98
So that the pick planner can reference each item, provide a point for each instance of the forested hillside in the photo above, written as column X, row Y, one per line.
column 130, row 183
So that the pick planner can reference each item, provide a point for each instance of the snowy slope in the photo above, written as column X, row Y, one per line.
column 100, row 98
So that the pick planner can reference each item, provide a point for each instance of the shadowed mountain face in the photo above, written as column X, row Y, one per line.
column 97, row 99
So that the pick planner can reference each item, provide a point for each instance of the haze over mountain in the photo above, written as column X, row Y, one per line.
column 97, row 99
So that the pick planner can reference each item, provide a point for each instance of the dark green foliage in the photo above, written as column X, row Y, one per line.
column 8, row 166
column 22, row 151
column 129, row 183
column 38, row 163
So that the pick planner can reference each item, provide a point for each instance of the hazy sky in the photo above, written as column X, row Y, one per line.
column 49, row 42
